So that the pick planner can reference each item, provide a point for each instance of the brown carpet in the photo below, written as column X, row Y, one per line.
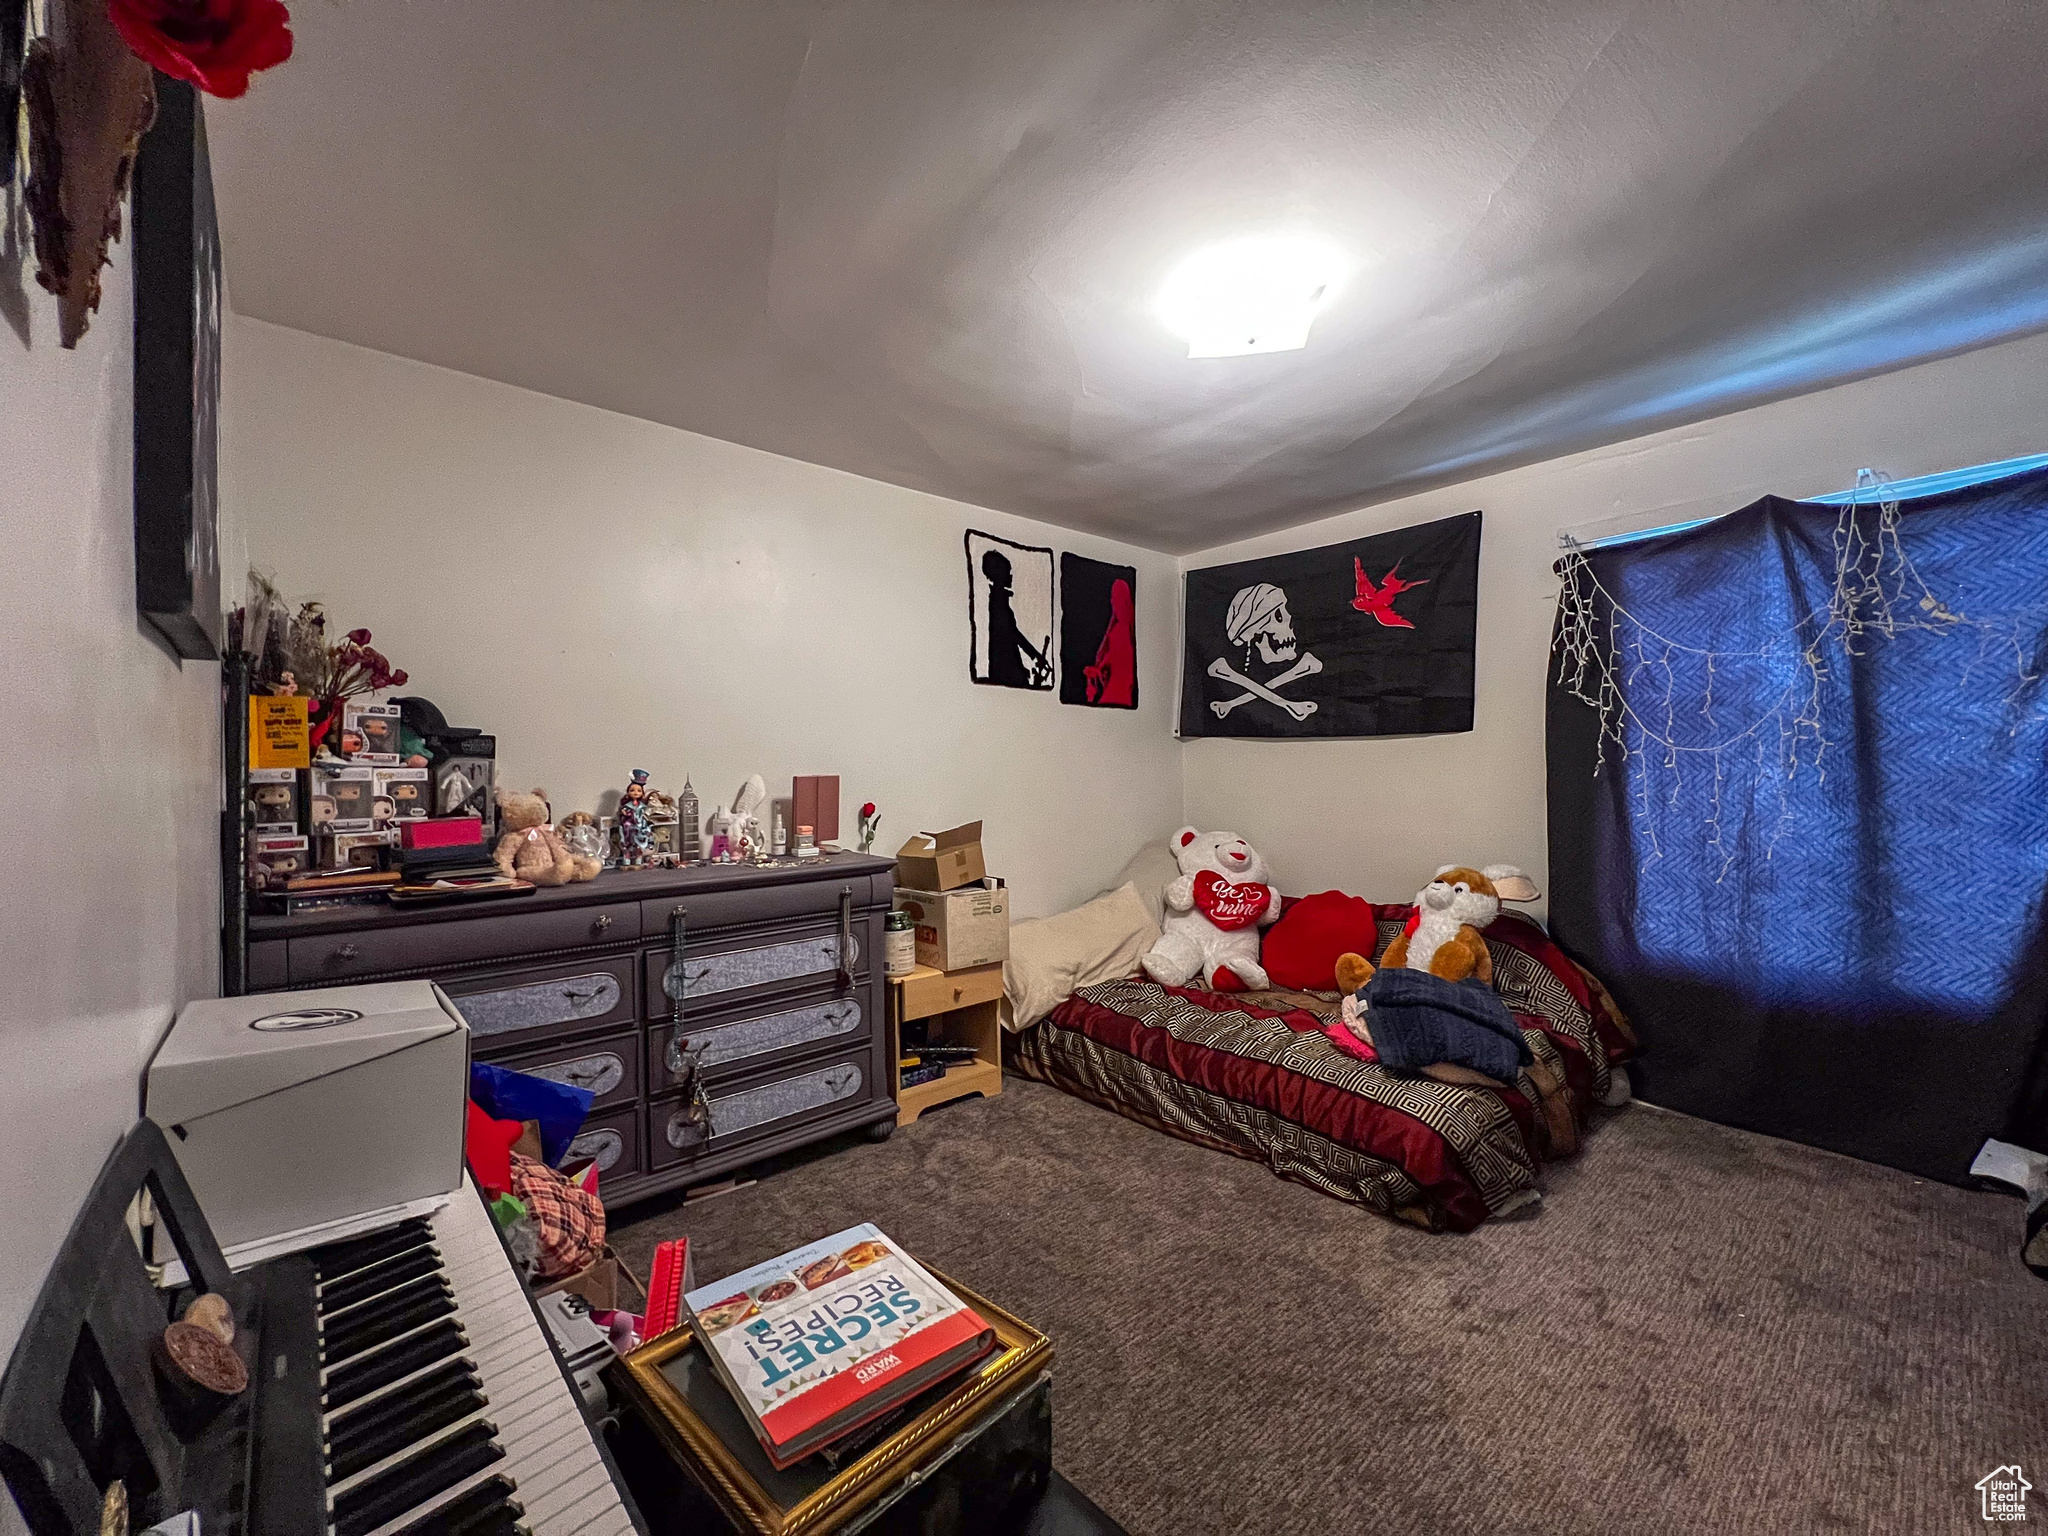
column 1703, row 1330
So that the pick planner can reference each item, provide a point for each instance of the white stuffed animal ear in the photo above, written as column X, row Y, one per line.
column 1185, row 836
column 1509, row 883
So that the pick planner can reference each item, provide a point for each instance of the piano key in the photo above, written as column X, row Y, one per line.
column 430, row 1470
column 369, row 1415
column 422, row 1415
column 355, row 1252
column 372, row 1317
column 364, row 1375
column 550, row 1452
column 382, row 1303
column 379, row 1277
column 487, row 1507
column 345, row 1344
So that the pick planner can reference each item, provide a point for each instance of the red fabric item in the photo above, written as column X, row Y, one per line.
column 1347, row 1118
column 1230, row 904
column 1341, row 1037
column 1301, row 950
column 487, row 1143
column 1224, row 979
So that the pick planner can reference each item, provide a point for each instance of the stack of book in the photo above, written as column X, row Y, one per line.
column 832, row 1339
column 452, row 874
column 322, row 889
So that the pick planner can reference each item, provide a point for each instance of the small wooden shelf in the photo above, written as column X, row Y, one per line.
column 961, row 1009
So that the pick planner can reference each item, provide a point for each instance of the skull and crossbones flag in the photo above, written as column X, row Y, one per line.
column 1373, row 637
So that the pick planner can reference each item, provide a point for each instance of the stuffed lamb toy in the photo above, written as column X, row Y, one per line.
column 1214, row 912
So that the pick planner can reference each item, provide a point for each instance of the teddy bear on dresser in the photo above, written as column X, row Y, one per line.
column 1214, row 912
column 531, row 850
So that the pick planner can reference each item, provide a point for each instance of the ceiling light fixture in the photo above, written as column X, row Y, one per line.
column 1259, row 293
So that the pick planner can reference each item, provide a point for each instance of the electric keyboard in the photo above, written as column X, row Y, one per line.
column 401, row 1385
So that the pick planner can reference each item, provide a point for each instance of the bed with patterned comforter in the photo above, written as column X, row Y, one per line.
column 1256, row 1074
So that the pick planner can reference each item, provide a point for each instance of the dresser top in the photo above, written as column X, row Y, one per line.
column 611, row 885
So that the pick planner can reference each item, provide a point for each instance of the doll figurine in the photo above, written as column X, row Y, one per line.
column 636, row 832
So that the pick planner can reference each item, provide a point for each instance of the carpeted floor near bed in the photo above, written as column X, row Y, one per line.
column 1703, row 1330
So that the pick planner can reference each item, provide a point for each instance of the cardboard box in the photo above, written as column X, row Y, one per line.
column 941, row 861
column 597, row 1283
column 814, row 803
column 959, row 929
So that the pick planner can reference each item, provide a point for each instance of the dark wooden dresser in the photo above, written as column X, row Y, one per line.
column 572, row 984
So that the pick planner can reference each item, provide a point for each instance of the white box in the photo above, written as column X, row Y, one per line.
column 290, row 1109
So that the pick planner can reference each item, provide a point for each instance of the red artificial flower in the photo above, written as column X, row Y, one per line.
column 867, row 810
column 215, row 44
column 358, row 637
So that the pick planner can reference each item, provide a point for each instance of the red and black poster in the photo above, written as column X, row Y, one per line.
column 1098, row 633
column 1372, row 637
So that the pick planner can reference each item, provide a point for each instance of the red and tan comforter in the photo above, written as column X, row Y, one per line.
column 1255, row 1074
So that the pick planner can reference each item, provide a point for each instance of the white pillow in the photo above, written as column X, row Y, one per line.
column 1151, row 869
column 1050, row 957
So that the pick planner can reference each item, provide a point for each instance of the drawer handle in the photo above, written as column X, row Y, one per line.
column 603, row 922
column 346, row 952
column 579, row 997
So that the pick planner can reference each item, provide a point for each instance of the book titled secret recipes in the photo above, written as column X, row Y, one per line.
column 819, row 1341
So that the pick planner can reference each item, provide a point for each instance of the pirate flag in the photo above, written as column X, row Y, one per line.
column 1368, row 638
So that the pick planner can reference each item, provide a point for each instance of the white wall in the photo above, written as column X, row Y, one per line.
column 1376, row 817
column 110, row 757
column 604, row 593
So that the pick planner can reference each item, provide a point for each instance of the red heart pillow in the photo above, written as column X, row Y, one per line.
column 1301, row 949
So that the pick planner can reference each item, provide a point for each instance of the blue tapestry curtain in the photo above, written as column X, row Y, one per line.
column 1798, row 775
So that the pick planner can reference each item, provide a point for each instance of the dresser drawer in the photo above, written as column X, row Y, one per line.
column 512, row 1010
column 435, row 946
column 774, row 903
column 742, row 1042
column 759, row 1109
column 613, row 1141
column 609, row 1068
column 724, row 965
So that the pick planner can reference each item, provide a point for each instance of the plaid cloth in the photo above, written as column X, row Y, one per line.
column 569, row 1220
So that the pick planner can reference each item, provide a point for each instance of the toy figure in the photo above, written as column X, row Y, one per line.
column 636, row 832
column 323, row 811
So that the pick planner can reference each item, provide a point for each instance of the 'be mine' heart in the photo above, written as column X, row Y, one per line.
column 1229, row 905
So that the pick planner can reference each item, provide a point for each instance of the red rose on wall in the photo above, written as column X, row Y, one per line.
column 215, row 44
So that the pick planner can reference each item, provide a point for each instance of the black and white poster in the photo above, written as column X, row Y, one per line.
column 1009, row 613
column 1372, row 637
column 1098, row 633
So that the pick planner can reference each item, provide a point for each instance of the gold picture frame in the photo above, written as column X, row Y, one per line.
column 1022, row 1353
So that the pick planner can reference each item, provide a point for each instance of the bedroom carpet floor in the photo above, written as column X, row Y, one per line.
column 1702, row 1330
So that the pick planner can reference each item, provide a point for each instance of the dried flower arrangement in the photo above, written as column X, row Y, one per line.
column 294, row 656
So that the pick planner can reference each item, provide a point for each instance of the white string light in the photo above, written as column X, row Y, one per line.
column 1622, row 668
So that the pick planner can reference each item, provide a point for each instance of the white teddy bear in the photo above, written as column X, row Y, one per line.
column 1214, row 911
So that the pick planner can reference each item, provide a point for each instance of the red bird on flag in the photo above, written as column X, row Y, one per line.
column 1379, row 601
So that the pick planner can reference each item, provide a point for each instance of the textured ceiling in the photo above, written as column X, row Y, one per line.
column 920, row 241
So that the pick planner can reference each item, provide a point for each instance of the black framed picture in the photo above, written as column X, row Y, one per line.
column 177, row 378
column 1098, row 633
column 1009, row 613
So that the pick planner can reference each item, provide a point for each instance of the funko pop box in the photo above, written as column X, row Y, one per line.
column 375, row 727
column 274, row 799
column 407, row 790
column 338, row 798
